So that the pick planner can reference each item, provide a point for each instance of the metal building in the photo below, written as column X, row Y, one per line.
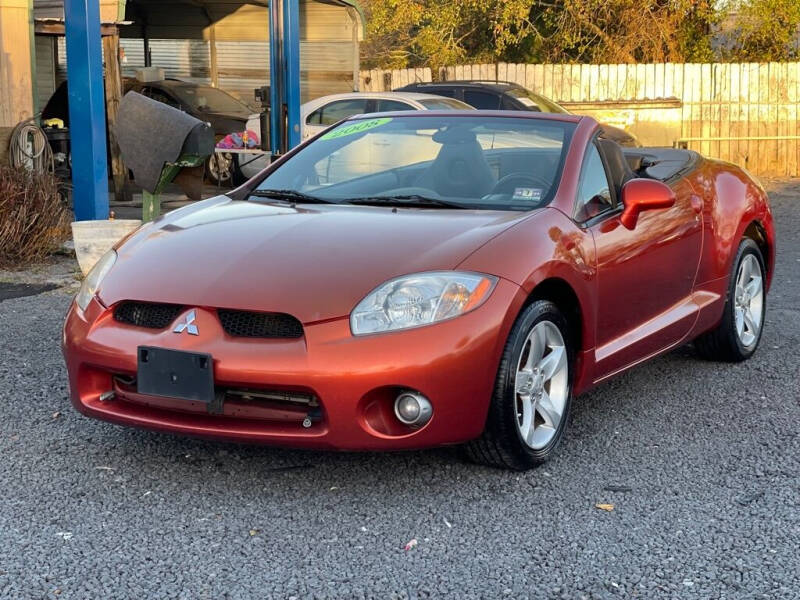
column 302, row 48
column 222, row 43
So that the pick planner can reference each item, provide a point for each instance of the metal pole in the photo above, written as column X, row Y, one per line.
column 87, row 117
column 276, row 76
column 148, row 58
column 291, row 55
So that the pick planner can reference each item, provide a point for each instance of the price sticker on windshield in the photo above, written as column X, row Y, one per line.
column 528, row 194
column 355, row 128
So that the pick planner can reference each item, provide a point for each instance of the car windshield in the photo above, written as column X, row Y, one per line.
column 444, row 104
column 536, row 101
column 207, row 99
column 460, row 162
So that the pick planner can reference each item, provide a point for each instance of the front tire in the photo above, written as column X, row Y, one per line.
column 533, row 391
column 220, row 168
column 737, row 336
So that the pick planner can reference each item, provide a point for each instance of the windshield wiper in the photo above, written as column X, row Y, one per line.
column 405, row 200
column 291, row 195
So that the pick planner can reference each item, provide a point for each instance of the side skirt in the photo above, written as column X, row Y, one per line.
column 679, row 323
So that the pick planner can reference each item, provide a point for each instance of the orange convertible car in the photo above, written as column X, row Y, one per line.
column 416, row 279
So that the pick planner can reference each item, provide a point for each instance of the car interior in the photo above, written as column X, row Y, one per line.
column 623, row 164
column 463, row 169
column 485, row 170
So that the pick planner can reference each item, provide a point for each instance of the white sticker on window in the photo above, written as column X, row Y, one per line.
column 527, row 194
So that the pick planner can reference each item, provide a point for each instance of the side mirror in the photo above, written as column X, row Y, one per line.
column 644, row 194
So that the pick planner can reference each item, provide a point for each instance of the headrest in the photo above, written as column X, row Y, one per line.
column 457, row 134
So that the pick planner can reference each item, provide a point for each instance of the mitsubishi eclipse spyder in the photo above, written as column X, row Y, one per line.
column 414, row 279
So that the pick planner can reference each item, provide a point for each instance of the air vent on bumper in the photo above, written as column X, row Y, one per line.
column 241, row 323
column 146, row 314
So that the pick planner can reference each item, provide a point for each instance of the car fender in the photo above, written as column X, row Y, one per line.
column 732, row 201
column 547, row 246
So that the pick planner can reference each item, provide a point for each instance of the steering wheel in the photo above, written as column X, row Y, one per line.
column 507, row 184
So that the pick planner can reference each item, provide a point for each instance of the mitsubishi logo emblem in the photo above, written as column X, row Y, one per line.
column 187, row 324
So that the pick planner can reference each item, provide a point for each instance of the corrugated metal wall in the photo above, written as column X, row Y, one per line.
column 241, row 66
column 45, row 68
column 183, row 59
column 54, row 9
column 326, row 52
column 325, row 68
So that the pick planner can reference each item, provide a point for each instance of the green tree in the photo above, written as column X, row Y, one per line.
column 409, row 33
column 625, row 31
column 763, row 30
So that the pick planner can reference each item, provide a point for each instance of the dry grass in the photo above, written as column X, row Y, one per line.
column 34, row 221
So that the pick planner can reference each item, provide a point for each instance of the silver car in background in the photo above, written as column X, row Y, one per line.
column 320, row 113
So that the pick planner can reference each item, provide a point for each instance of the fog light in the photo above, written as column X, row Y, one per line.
column 413, row 409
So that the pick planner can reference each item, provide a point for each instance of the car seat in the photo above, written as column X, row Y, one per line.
column 460, row 169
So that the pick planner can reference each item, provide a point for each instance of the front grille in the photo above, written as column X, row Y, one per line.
column 241, row 323
column 147, row 314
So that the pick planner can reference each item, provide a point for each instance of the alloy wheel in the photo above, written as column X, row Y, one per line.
column 541, row 385
column 221, row 166
column 749, row 300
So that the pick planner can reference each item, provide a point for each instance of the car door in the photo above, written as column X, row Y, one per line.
column 332, row 112
column 644, row 276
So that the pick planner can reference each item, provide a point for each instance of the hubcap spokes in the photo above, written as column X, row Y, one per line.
column 541, row 385
column 220, row 166
column 749, row 300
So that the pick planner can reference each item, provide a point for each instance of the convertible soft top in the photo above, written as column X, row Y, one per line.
column 662, row 164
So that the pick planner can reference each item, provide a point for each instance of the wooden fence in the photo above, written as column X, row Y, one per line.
column 745, row 113
column 379, row 80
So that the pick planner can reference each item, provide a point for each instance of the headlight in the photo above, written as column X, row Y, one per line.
column 421, row 299
column 93, row 279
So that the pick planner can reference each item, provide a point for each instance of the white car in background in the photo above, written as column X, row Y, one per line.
column 320, row 113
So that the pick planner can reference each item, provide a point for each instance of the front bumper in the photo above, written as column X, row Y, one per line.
column 453, row 363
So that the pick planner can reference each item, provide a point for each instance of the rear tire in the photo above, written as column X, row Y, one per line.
column 737, row 336
column 533, row 392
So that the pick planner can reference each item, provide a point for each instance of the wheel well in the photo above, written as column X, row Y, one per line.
column 755, row 231
column 562, row 295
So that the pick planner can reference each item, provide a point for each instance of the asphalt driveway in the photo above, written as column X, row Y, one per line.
column 701, row 462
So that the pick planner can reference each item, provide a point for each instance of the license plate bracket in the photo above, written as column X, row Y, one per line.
column 175, row 374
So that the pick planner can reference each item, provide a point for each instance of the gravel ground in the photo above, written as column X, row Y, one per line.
column 700, row 460
column 60, row 269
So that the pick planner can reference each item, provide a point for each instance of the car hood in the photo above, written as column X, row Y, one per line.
column 315, row 262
